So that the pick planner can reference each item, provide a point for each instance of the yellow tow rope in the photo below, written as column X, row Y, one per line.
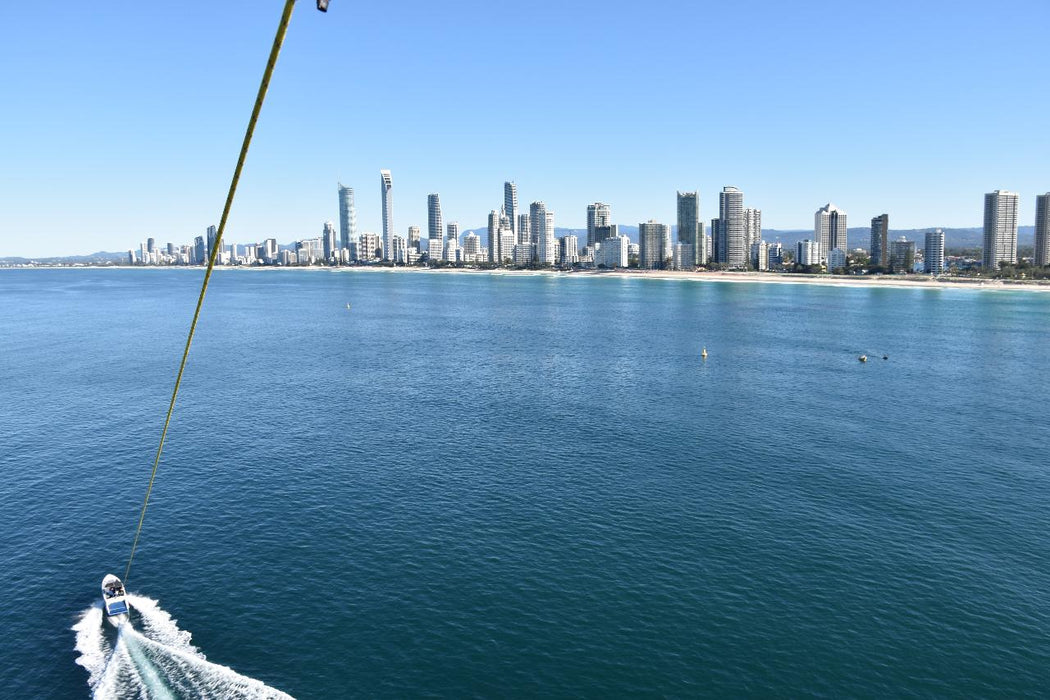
column 277, row 41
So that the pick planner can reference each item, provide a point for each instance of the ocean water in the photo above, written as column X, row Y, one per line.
column 495, row 485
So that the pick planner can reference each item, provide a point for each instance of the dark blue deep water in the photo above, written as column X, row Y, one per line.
column 511, row 486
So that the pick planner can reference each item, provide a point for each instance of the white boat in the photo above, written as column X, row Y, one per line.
column 114, row 597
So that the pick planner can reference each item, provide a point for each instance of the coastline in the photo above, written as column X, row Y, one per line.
column 865, row 281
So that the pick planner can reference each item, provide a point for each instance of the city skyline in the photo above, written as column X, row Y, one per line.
column 153, row 137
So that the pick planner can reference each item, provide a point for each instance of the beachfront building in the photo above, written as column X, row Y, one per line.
column 510, row 205
column 568, row 251
column 613, row 252
column 523, row 231
column 654, row 245
column 598, row 214
column 880, row 229
column 541, row 224
column 732, row 235
column 386, row 186
column 829, row 230
column 902, row 255
column 1042, row 230
column 836, row 259
column 933, row 253
column 690, row 229
column 1000, row 229
column 807, row 252
column 328, row 241
column 760, row 255
column 752, row 227
column 683, row 258
column 347, row 217
column 472, row 250
column 434, row 217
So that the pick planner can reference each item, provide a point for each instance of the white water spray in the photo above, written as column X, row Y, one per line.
column 153, row 658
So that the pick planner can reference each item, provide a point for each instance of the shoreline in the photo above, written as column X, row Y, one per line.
column 858, row 281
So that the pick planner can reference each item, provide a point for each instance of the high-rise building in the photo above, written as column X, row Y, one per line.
column 731, row 227
column 472, row 250
column 598, row 214
column 752, row 227
column 829, row 229
column 933, row 254
column 347, row 217
column 718, row 244
column 568, row 250
column 541, row 223
column 880, row 230
column 510, row 205
column 690, row 229
column 213, row 237
column 523, row 231
column 452, row 231
column 760, row 255
column 386, row 185
column 328, row 236
column 1042, row 230
column 613, row 252
column 902, row 255
column 434, row 217
column 1000, row 229
column 413, row 238
column 494, row 239
column 200, row 251
column 807, row 252
column 654, row 245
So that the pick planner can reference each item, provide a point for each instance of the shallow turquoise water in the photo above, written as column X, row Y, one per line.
column 476, row 485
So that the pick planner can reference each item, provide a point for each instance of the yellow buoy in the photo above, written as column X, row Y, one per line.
column 703, row 353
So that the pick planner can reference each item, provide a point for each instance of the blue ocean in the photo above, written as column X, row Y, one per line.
column 484, row 485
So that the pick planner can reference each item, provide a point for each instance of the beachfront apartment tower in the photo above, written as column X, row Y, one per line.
column 434, row 217
column 1000, row 229
column 386, row 185
column 541, row 223
column 347, row 217
column 880, row 231
column 690, row 230
column 752, row 227
column 829, row 230
column 654, row 245
column 523, row 230
column 510, row 205
column 598, row 214
column 1042, row 230
column 732, row 234
column 933, row 253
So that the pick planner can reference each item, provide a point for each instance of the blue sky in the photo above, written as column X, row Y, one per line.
column 122, row 120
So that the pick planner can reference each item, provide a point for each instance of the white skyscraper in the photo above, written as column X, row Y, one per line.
column 328, row 241
column 386, row 184
column 829, row 229
column 510, row 205
column 524, row 231
column 1000, row 229
column 732, row 234
column 347, row 217
column 933, row 254
column 598, row 214
column 541, row 222
column 434, row 217
column 752, row 227
column 1042, row 230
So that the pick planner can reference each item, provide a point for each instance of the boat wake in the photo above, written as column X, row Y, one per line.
column 150, row 657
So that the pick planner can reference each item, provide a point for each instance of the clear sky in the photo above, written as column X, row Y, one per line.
column 122, row 120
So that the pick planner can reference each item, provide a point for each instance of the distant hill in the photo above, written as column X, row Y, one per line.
column 860, row 237
column 98, row 258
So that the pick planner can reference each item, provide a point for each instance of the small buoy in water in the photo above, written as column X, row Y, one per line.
column 863, row 358
column 703, row 353
column 885, row 357
column 347, row 306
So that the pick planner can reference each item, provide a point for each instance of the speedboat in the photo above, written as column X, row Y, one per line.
column 114, row 597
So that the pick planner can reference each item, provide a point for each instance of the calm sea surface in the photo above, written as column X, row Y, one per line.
column 511, row 486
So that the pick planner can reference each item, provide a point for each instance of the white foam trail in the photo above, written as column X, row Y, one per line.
column 152, row 658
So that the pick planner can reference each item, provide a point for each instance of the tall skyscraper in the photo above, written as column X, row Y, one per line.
column 731, row 227
column 541, row 222
column 1000, row 229
column 510, row 205
column 1042, row 230
column 386, row 184
column 494, row 241
column 434, row 217
column 690, row 230
column 933, row 254
column 598, row 214
column 213, row 235
column 328, row 240
column 752, row 228
column 347, row 217
column 654, row 245
column 829, row 228
column 880, row 229
column 524, row 231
